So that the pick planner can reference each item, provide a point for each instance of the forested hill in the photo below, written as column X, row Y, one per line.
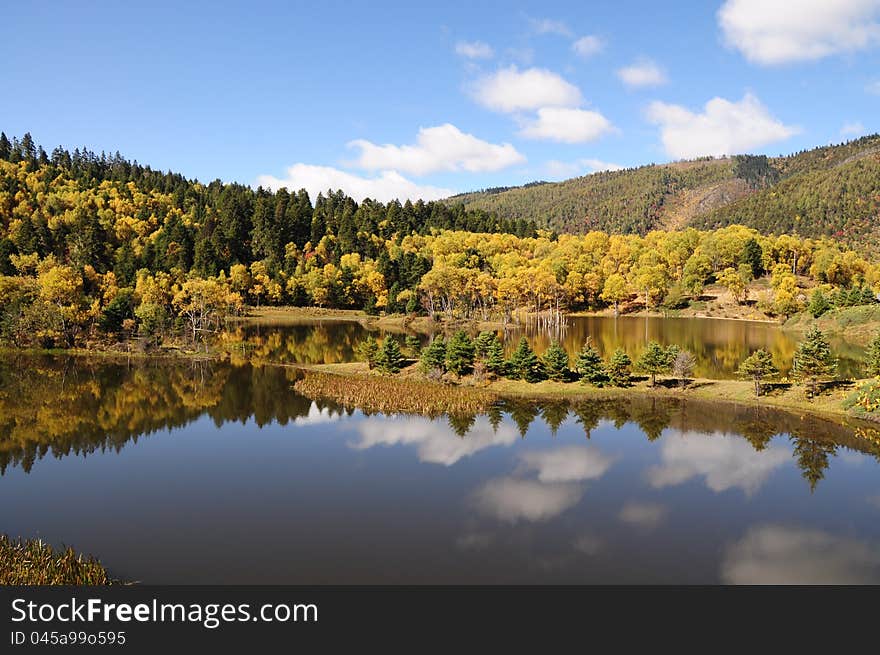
column 113, row 214
column 833, row 190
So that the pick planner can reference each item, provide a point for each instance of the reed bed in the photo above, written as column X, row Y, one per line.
column 33, row 562
column 394, row 395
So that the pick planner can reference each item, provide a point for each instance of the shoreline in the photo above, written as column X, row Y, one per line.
column 779, row 397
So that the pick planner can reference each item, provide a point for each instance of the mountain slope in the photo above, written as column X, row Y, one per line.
column 830, row 190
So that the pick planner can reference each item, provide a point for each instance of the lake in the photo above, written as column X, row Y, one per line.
column 719, row 345
column 200, row 472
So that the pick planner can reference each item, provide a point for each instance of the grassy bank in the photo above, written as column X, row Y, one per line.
column 355, row 385
column 33, row 562
column 858, row 325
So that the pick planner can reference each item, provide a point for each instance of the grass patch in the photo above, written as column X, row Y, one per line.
column 390, row 395
column 33, row 562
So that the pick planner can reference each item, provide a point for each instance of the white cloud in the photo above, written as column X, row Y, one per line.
column 317, row 416
column 588, row 544
column 510, row 90
column 771, row 32
column 724, row 127
column 587, row 46
column 566, row 125
column 474, row 50
column 549, row 26
column 441, row 148
column 642, row 73
column 853, row 129
column 388, row 185
column 567, row 464
column 646, row 516
column 434, row 441
column 774, row 554
column 724, row 461
column 513, row 499
column 873, row 87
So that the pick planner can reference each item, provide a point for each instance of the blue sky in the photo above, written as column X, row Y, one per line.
column 409, row 99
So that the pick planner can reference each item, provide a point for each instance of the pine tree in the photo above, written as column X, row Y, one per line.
column 460, row 354
column 589, row 365
column 390, row 358
column 618, row 369
column 482, row 344
column 413, row 345
column 656, row 359
column 367, row 351
column 758, row 366
column 872, row 359
column 495, row 362
column 524, row 363
column 555, row 362
column 813, row 359
column 433, row 357
column 819, row 304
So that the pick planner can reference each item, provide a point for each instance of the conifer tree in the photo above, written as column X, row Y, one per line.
column 619, row 369
column 656, row 359
column 758, row 366
column 460, row 353
column 367, row 351
column 819, row 304
column 524, row 363
column 433, row 357
column 413, row 345
column 813, row 359
column 390, row 358
column 589, row 365
column 555, row 362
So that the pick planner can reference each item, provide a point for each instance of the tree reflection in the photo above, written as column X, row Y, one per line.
column 67, row 405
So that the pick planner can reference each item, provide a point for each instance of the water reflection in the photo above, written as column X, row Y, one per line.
column 778, row 554
column 718, row 345
column 214, row 472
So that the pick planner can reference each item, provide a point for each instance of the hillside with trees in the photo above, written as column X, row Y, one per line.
column 97, row 247
column 828, row 191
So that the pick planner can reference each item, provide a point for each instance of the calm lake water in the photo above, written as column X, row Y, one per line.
column 719, row 345
column 213, row 473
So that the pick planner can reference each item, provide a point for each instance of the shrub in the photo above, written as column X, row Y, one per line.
column 36, row 563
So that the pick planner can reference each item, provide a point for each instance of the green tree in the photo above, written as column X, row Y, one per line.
column 619, row 369
column 368, row 350
column 433, row 359
column 524, row 363
column 754, row 257
column 413, row 345
column 872, row 359
column 556, row 362
column 758, row 365
column 656, row 359
column 460, row 353
column 482, row 344
column 819, row 304
column 589, row 365
column 813, row 359
column 390, row 359
column 495, row 362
